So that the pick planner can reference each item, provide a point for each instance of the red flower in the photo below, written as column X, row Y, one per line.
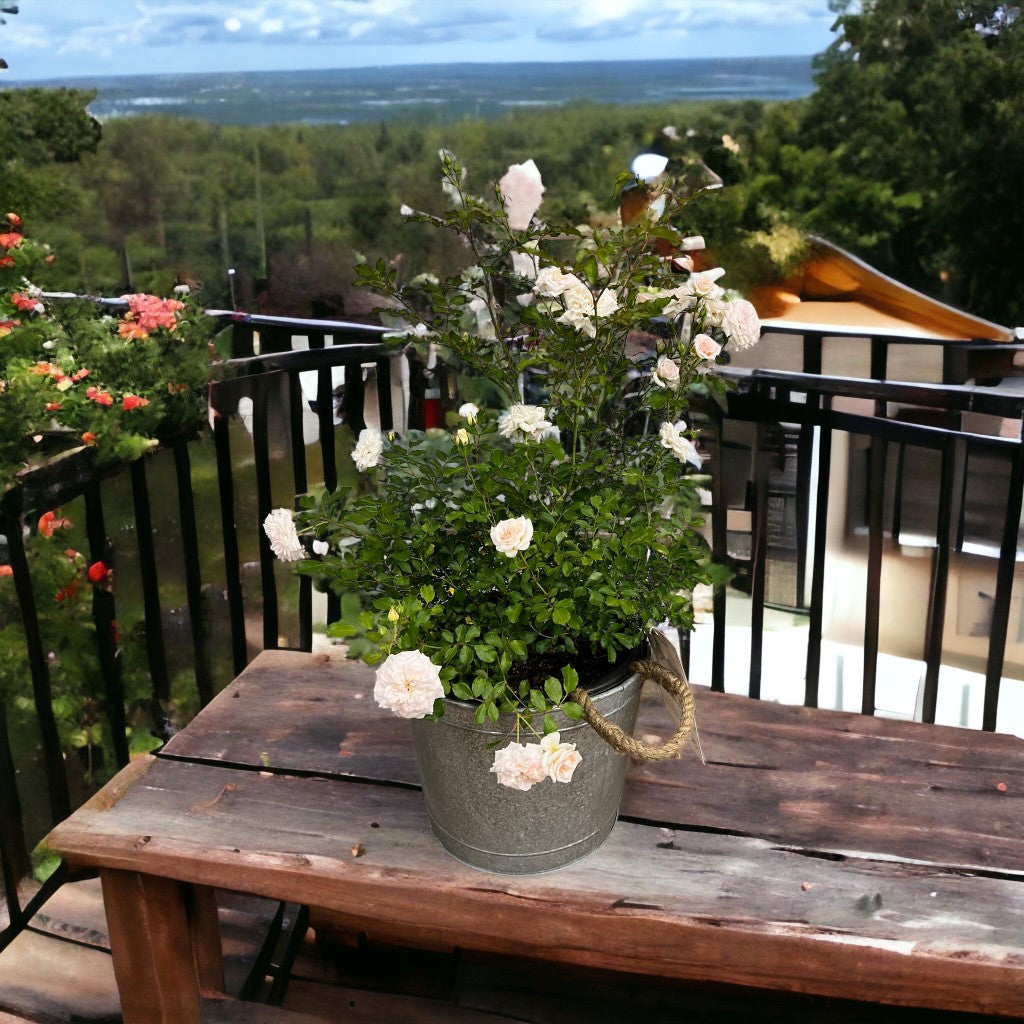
column 11, row 240
column 6, row 261
column 65, row 592
column 54, row 407
column 6, row 326
column 97, row 572
column 133, row 402
column 13, row 219
column 72, row 553
column 89, row 438
column 47, row 368
column 103, row 398
column 131, row 331
column 6, row 570
column 23, row 302
column 81, row 374
column 50, row 259
column 50, row 521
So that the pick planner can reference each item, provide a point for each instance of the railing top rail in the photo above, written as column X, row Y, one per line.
column 228, row 316
column 994, row 401
column 893, row 336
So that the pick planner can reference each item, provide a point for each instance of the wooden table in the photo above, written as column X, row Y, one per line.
column 816, row 852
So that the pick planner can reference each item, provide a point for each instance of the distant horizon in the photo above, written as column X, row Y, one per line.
column 400, row 67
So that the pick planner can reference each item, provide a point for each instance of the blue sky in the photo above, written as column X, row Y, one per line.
column 94, row 38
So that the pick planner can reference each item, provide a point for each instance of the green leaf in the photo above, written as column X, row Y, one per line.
column 550, row 725
column 427, row 593
column 485, row 653
column 492, row 711
column 537, row 701
column 553, row 688
column 560, row 616
column 462, row 691
column 481, row 714
column 572, row 710
column 570, row 679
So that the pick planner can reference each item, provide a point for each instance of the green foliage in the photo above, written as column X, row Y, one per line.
column 610, row 547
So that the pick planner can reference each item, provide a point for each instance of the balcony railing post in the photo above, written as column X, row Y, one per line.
column 815, row 620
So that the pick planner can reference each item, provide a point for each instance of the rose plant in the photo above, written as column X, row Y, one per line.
column 503, row 560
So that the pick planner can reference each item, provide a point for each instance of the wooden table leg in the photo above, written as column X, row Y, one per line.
column 204, row 924
column 151, row 945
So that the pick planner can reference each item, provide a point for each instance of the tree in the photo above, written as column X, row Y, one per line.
column 916, row 136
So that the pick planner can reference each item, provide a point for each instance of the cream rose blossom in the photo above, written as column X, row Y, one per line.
column 551, row 282
column 520, row 766
column 511, row 536
column 279, row 526
column 469, row 412
column 368, row 450
column 521, row 189
column 741, row 324
column 706, row 347
column 523, row 422
column 408, row 683
column 674, row 439
column 666, row 373
column 560, row 759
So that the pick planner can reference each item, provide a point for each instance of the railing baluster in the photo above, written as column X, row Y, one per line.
column 298, row 448
column 804, row 464
column 759, row 558
column 229, row 532
column 156, row 653
column 14, row 859
column 385, row 412
column 42, row 694
column 815, row 621
column 352, row 405
column 719, row 552
column 1004, row 590
column 193, row 572
column 264, row 503
column 872, row 596
column 954, row 466
column 104, row 617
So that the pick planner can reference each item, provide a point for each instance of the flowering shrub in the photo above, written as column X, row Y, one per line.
column 501, row 561
column 74, row 374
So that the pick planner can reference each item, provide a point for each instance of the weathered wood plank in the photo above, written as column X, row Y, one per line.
column 696, row 905
column 221, row 1010
column 830, row 780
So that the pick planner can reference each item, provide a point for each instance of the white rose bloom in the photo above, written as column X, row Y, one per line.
column 405, row 210
column 694, row 243
column 523, row 422
column 511, row 536
column 182, row 289
column 673, row 438
column 684, row 262
column 522, row 189
column 607, row 303
column 702, row 286
column 714, row 312
column 579, row 309
column 560, row 759
column 469, row 411
column 279, row 526
column 741, row 324
column 519, row 765
column 706, row 347
column 368, row 450
column 461, row 436
column 681, row 301
column 551, row 282
column 666, row 373
column 321, row 547
column 408, row 683
column 524, row 264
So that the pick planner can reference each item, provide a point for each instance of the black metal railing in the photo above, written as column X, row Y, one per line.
column 796, row 418
column 166, row 500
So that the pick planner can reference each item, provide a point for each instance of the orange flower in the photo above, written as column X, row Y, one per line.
column 51, row 521
column 13, row 219
column 6, row 570
column 54, row 407
column 6, row 326
column 48, row 368
column 103, row 398
column 6, row 261
column 23, row 302
column 131, row 331
column 81, row 374
column 65, row 592
column 130, row 402
column 89, row 438
column 97, row 572
column 50, row 259
column 11, row 240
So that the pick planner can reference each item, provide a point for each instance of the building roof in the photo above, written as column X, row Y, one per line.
column 834, row 290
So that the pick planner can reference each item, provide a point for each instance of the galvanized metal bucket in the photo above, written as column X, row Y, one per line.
column 489, row 826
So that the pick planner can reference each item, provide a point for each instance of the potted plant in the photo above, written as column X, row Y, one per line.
column 514, row 567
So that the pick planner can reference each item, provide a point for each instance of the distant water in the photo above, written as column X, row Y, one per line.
column 441, row 91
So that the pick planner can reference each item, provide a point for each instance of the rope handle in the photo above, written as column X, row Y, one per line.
column 672, row 683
